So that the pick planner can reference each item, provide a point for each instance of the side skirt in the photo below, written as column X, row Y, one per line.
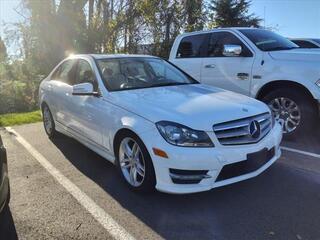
column 85, row 141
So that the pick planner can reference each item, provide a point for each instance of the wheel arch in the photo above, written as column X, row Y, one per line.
column 118, row 135
column 43, row 103
column 276, row 84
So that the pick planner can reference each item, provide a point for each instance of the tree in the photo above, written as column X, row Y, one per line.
column 194, row 14
column 3, row 51
column 163, row 21
column 232, row 13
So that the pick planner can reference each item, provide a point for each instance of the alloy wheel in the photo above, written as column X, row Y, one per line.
column 287, row 112
column 132, row 162
column 47, row 120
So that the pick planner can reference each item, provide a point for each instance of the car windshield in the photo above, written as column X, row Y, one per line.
column 134, row 73
column 268, row 41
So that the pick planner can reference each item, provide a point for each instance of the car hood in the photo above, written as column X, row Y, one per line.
column 306, row 55
column 197, row 106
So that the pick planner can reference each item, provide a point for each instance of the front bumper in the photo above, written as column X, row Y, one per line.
column 212, row 160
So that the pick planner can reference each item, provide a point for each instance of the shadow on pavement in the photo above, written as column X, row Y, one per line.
column 306, row 142
column 7, row 227
column 282, row 203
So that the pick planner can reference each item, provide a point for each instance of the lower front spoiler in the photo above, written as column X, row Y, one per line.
column 210, row 183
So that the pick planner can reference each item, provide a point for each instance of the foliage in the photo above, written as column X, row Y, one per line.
column 3, row 51
column 53, row 29
column 195, row 15
column 232, row 13
column 19, row 118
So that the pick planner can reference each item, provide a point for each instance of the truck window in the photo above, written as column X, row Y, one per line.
column 192, row 46
column 304, row 44
column 219, row 39
column 268, row 41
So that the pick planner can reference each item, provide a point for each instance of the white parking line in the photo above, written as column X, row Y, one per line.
column 301, row 152
column 117, row 231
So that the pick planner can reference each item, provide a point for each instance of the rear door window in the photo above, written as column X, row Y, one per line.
column 193, row 46
column 65, row 72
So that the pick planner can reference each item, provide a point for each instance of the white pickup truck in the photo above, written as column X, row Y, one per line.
column 257, row 63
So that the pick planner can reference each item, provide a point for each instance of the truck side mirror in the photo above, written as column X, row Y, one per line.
column 232, row 50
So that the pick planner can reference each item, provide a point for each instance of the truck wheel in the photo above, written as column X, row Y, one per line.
column 295, row 111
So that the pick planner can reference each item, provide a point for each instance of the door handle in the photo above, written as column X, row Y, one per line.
column 210, row 66
column 243, row 76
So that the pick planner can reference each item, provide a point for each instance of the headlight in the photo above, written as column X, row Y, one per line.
column 179, row 135
column 318, row 83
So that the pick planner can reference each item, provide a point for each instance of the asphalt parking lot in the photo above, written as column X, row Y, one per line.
column 79, row 195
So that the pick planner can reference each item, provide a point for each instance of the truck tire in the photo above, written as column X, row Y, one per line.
column 294, row 110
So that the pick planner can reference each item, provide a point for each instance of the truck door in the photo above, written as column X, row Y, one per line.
column 189, row 54
column 229, row 72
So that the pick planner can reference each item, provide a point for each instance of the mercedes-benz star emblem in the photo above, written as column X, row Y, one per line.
column 254, row 129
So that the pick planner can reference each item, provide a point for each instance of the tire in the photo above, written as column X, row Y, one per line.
column 6, row 205
column 148, row 181
column 48, row 122
column 300, row 109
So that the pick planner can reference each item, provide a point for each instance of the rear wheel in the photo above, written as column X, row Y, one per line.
column 134, row 163
column 48, row 121
column 295, row 111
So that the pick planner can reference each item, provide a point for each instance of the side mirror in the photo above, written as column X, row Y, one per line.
column 232, row 50
column 84, row 89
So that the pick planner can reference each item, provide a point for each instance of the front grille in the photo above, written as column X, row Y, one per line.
column 238, row 131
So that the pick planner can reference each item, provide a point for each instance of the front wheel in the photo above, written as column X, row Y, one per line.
column 295, row 111
column 134, row 163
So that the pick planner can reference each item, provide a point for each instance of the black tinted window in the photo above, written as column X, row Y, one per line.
column 85, row 73
column 304, row 44
column 317, row 40
column 268, row 41
column 219, row 39
column 192, row 46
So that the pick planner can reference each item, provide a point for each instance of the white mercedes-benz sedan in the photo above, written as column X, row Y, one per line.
column 159, row 126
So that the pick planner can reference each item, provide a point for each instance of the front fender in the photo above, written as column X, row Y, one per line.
column 302, row 73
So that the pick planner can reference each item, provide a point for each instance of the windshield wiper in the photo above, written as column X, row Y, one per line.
column 167, row 84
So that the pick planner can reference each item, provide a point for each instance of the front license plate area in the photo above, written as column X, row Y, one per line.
column 253, row 162
column 257, row 159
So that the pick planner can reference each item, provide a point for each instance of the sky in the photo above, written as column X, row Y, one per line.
column 290, row 18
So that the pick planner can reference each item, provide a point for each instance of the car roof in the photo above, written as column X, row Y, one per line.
column 104, row 56
column 215, row 29
column 304, row 39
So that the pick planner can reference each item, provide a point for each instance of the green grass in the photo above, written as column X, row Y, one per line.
column 11, row 119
